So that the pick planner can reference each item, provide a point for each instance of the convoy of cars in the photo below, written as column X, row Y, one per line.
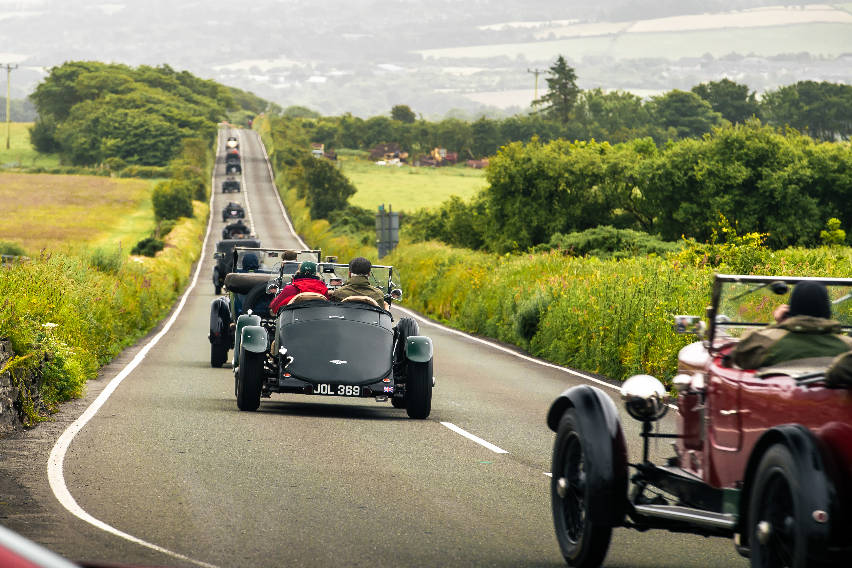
column 760, row 456
column 315, row 346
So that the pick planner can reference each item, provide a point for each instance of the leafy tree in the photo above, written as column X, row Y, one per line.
column 350, row 132
column 617, row 116
column 824, row 110
column 403, row 113
column 562, row 92
column 686, row 114
column 732, row 100
column 833, row 234
column 486, row 137
column 325, row 188
column 296, row 111
column 171, row 200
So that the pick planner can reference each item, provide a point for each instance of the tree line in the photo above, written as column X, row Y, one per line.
column 820, row 109
column 778, row 183
column 93, row 113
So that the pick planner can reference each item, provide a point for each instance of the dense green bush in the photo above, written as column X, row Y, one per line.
column 146, row 172
column 172, row 199
column 608, row 242
column 149, row 246
column 13, row 249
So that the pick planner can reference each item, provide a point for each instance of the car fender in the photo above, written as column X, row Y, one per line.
column 242, row 321
column 606, row 449
column 418, row 348
column 819, row 492
column 254, row 338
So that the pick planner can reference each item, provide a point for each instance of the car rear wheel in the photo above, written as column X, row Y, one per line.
column 777, row 522
column 582, row 543
column 218, row 354
column 418, row 389
column 248, row 380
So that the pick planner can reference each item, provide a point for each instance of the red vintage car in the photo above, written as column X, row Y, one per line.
column 763, row 456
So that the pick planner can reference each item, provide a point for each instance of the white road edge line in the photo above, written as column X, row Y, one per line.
column 509, row 351
column 55, row 462
column 477, row 439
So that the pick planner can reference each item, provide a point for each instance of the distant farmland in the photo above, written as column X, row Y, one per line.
column 66, row 212
column 817, row 39
column 408, row 188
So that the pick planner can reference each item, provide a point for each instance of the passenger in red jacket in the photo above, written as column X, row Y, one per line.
column 305, row 280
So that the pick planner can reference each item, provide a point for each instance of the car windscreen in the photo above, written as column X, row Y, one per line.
column 745, row 305
column 379, row 275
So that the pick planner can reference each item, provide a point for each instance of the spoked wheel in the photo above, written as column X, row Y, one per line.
column 778, row 524
column 583, row 544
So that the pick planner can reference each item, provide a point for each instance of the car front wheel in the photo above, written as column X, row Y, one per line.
column 777, row 522
column 583, row 543
column 418, row 389
column 249, row 380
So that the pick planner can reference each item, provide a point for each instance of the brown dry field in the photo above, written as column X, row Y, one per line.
column 58, row 212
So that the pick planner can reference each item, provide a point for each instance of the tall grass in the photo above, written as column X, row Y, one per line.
column 66, row 315
column 612, row 317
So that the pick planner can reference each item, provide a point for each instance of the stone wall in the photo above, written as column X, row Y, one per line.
column 9, row 417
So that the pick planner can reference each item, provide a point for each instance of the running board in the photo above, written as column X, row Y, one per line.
column 688, row 515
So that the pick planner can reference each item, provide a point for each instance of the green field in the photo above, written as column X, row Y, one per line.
column 66, row 212
column 814, row 38
column 21, row 153
column 407, row 188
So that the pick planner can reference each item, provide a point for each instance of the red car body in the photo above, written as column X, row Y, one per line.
column 763, row 456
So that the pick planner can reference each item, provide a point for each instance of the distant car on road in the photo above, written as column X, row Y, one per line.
column 233, row 210
column 232, row 142
column 233, row 169
column 323, row 348
column 230, row 184
column 763, row 456
column 225, row 259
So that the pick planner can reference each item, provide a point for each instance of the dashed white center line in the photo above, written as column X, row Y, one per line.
column 477, row 439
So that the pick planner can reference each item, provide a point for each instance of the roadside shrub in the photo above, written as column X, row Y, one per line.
column 171, row 200
column 148, row 246
column 608, row 242
column 146, row 172
column 13, row 249
column 107, row 259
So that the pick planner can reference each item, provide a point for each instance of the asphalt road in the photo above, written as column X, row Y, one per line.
column 306, row 481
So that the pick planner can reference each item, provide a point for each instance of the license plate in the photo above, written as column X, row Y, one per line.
column 337, row 390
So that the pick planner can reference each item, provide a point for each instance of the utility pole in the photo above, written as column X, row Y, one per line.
column 536, row 72
column 9, row 68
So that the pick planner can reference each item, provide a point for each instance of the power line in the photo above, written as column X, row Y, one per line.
column 9, row 67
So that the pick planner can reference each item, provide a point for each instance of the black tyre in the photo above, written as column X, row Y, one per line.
column 418, row 389
column 398, row 402
column 777, row 522
column 217, row 289
column 218, row 354
column 582, row 543
column 404, row 329
column 249, row 380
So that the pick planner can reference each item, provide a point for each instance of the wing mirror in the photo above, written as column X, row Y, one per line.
column 218, row 255
column 396, row 294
